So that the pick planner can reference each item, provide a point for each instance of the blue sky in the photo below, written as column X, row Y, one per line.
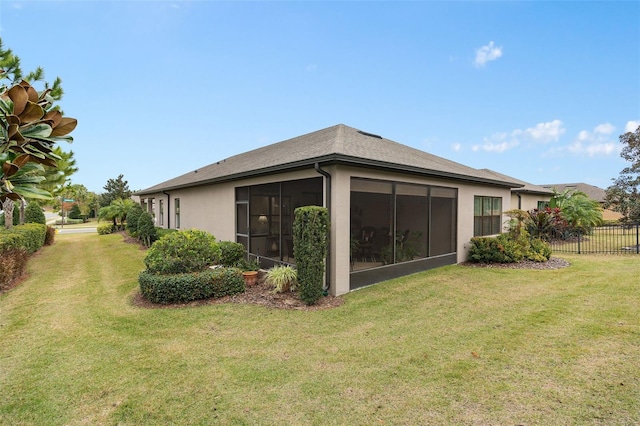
column 540, row 91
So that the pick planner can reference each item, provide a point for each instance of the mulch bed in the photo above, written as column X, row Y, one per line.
column 552, row 263
column 258, row 294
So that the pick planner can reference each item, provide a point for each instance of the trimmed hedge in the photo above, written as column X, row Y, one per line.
column 16, row 244
column 182, row 288
column 310, row 246
column 33, row 235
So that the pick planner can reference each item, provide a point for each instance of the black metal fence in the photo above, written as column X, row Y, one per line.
column 611, row 239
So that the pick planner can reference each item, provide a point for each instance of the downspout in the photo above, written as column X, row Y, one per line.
column 519, row 200
column 327, row 285
column 168, row 209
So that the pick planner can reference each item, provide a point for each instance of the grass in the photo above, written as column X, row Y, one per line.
column 455, row 345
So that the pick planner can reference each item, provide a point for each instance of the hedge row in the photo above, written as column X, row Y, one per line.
column 16, row 244
column 181, row 288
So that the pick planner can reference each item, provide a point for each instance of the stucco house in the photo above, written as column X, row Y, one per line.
column 394, row 210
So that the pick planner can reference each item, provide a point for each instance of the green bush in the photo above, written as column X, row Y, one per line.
column 282, row 278
column 105, row 228
column 310, row 245
column 33, row 214
column 508, row 248
column 232, row 253
column 133, row 216
column 540, row 250
column 34, row 235
column 75, row 213
column 182, row 252
column 69, row 221
column 181, row 288
column 161, row 232
column 146, row 229
column 10, row 240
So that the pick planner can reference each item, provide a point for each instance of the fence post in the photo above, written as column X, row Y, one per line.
column 637, row 239
column 579, row 235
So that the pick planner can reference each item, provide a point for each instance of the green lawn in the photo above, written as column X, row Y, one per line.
column 455, row 345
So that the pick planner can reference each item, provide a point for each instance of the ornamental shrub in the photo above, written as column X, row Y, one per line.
column 232, row 254
column 105, row 228
column 310, row 246
column 282, row 278
column 33, row 214
column 181, row 252
column 181, row 288
column 133, row 216
column 508, row 248
column 146, row 229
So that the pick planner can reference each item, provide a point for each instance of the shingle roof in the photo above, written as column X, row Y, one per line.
column 336, row 144
column 526, row 187
column 593, row 192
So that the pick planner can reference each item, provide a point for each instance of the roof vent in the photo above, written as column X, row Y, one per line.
column 369, row 134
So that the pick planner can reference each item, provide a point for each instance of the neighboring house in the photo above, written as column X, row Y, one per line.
column 593, row 192
column 394, row 210
column 526, row 197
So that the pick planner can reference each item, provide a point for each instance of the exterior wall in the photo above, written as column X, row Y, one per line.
column 466, row 194
column 340, row 214
column 528, row 201
column 212, row 208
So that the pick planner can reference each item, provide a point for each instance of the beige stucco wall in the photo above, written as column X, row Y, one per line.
column 528, row 201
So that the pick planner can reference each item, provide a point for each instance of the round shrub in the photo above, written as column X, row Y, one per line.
column 105, row 228
column 181, row 288
column 232, row 253
column 181, row 252
column 33, row 214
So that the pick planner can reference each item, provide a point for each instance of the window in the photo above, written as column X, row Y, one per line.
column 177, row 208
column 487, row 216
column 161, row 212
column 543, row 205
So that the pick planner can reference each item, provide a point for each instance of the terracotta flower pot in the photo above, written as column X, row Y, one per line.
column 250, row 277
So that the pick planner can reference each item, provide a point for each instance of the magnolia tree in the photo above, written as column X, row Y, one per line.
column 30, row 126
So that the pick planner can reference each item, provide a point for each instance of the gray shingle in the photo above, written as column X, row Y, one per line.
column 338, row 143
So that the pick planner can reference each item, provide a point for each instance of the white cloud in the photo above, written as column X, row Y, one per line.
column 604, row 129
column 456, row 147
column 546, row 132
column 498, row 142
column 593, row 143
column 487, row 53
column 540, row 133
column 631, row 126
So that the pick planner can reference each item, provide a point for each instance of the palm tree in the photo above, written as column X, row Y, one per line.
column 577, row 208
column 117, row 210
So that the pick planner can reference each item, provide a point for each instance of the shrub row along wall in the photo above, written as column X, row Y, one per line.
column 16, row 244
